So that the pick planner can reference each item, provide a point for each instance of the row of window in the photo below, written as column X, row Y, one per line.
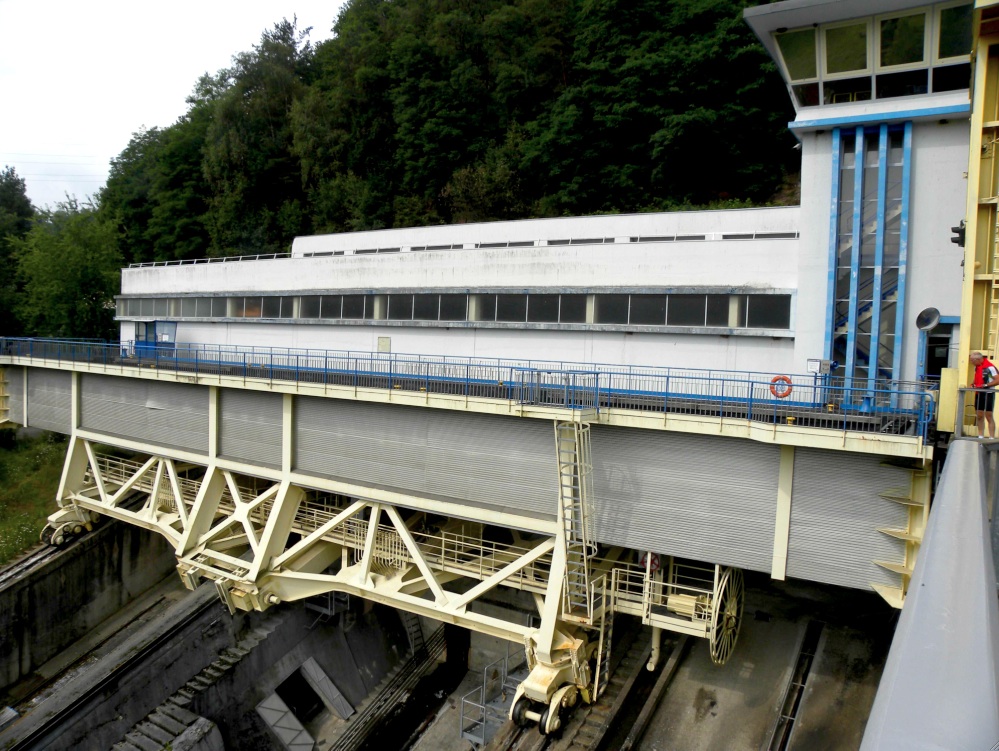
column 566, row 241
column 726, row 311
column 901, row 54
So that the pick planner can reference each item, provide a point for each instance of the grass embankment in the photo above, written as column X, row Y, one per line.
column 29, row 479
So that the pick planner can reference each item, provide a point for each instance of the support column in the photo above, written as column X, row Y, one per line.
column 287, row 433
column 782, row 524
column 213, row 422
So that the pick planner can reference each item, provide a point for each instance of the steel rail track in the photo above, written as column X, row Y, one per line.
column 591, row 727
column 25, row 562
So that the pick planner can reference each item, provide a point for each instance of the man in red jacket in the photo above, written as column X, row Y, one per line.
column 986, row 377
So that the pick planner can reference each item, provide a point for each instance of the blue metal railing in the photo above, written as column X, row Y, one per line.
column 812, row 400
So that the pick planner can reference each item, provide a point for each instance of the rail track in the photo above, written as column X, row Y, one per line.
column 21, row 565
column 46, row 732
column 604, row 723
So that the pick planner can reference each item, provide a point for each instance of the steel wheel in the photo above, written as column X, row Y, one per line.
column 726, row 615
column 47, row 533
column 519, row 708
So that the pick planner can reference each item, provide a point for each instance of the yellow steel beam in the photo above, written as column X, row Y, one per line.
column 979, row 328
column 459, row 510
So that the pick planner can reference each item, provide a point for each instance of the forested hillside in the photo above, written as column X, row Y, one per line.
column 421, row 112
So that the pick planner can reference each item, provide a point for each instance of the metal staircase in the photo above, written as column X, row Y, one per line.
column 414, row 631
column 865, row 311
column 915, row 499
column 603, row 614
column 575, row 478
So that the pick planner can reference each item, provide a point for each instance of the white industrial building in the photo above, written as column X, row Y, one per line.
column 740, row 290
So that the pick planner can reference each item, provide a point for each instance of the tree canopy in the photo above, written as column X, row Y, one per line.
column 416, row 112
column 16, row 213
column 437, row 111
column 68, row 266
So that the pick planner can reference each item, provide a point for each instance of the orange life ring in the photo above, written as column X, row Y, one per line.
column 783, row 392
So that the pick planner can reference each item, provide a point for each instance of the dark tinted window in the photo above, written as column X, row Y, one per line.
column 272, row 307
column 769, row 312
column 331, row 306
column 573, row 309
column 309, row 307
column 400, row 307
column 425, row 307
column 686, row 310
column 648, row 310
column 511, row 308
column 542, row 308
column 717, row 310
column 353, row 306
column 611, row 309
column 454, row 307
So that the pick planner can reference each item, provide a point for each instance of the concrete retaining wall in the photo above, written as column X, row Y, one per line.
column 64, row 598
column 356, row 659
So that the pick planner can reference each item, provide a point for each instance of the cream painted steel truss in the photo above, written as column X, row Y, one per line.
column 264, row 540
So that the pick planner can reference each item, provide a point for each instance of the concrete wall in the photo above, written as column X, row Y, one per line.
column 735, row 352
column 355, row 658
column 72, row 593
column 107, row 715
column 813, row 258
column 542, row 231
column 762, row 264
column 939, row 192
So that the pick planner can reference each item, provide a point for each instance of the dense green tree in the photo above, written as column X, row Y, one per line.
column 16, row 213
column 69, row 267
column 343, row 127
column 257, row 203
column 128, row 198
column 427, row 111
column 669, row 105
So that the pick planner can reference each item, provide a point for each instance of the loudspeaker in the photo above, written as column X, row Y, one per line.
column 928, row 319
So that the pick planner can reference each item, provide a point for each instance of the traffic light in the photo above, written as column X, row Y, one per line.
column 958, row 234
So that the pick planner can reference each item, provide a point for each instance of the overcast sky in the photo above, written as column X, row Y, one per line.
column 78, row 78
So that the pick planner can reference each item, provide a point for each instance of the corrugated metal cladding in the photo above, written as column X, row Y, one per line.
column 708, row 498
column 15, row 388
column 835, row 514
column 168, row 414
column 250, row 429
column 482, row 460
column 50, row 399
